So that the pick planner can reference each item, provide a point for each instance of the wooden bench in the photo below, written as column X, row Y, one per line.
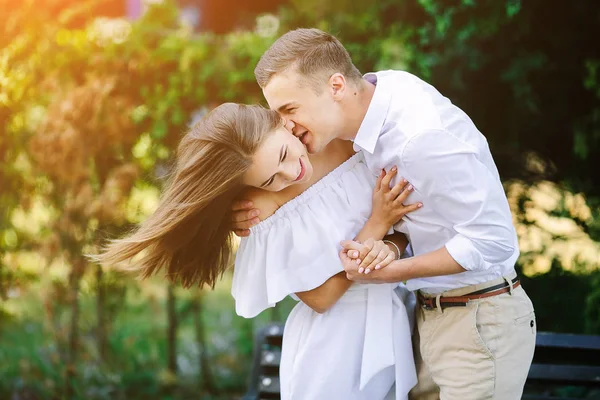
column 264, row 376
column 565, row 366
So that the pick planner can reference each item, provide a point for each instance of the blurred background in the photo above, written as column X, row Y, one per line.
column 95, row 95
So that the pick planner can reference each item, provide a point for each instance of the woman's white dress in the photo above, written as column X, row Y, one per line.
column 361, row 346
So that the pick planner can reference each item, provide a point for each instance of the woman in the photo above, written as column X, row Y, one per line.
column 235, row 147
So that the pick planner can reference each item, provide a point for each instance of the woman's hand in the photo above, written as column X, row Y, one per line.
column 370, row 255
column 388, row 203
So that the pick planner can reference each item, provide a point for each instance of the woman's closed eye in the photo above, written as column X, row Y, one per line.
column 270, row 181
column 282, row 159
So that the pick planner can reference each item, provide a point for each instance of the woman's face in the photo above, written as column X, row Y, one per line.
column 281, row 161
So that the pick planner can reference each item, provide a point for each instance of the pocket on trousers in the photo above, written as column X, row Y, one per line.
column 527, row 319
column 480, row 337
column 525, row 314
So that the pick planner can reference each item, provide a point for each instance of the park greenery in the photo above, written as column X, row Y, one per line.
column 92, row 108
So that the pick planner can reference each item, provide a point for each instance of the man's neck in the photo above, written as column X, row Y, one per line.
column 359, row 103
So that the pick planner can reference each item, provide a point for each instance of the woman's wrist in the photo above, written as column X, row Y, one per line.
column 381, row 221
column 393, row 247
column 375, row 228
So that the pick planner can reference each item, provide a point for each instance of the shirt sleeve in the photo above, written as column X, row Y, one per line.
column 452, row 180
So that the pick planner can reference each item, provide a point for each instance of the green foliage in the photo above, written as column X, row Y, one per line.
column 92, row 109
column 559, row 293
column 135, row 367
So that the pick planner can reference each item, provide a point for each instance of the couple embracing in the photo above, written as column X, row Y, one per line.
column 373, row 201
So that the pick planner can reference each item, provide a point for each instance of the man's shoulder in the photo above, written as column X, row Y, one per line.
column 397, row 77
column 415, row 106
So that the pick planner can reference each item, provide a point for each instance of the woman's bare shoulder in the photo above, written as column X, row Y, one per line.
column 263, row 200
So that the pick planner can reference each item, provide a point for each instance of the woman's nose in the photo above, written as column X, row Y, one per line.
column 290, row 171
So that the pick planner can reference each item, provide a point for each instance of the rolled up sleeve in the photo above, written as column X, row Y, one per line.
column 447, row 172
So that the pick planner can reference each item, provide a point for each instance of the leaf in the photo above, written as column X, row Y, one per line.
column 513, row 7
column 159, row 130
column 177, row 116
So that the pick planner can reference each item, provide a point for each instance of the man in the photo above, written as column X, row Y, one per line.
column 475, row 322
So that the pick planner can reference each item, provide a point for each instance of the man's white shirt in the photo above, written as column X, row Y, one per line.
column 438, row 149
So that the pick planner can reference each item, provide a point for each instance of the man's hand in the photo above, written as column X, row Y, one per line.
column 243, row 217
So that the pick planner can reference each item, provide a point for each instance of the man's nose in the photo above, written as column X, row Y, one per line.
column 290, row 125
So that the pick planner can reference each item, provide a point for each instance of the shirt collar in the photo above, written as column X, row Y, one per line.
column 370, row 129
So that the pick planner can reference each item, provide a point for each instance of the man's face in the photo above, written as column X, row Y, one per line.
column 313, row 117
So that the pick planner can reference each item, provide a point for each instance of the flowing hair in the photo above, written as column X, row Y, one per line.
column 189, row 234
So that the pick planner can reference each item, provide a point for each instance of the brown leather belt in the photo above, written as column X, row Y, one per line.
column 429, row 303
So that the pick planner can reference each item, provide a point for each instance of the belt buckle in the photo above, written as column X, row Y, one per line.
column 423, row 300
column 427, row 306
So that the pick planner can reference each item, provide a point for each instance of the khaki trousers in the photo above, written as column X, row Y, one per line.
column 481, row 351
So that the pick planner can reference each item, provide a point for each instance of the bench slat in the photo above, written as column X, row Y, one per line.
column 542, row 397
column 567, row 340
column 577, row 374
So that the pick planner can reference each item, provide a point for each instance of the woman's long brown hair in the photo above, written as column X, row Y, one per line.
column 189, row 234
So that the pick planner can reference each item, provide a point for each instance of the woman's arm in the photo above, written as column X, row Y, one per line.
column 384, row 215
column 325, row 296
column 321, row 299
column 388, row 208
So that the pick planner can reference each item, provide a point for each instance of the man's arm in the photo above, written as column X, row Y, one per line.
column 446, row 171
column 243, row 217
column 434, row 263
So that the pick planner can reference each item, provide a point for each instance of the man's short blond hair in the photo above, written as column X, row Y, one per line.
column 314, row 54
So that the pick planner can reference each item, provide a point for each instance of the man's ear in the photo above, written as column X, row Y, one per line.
column 337, row 85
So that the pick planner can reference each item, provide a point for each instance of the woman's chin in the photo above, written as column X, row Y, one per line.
column 306, row 177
